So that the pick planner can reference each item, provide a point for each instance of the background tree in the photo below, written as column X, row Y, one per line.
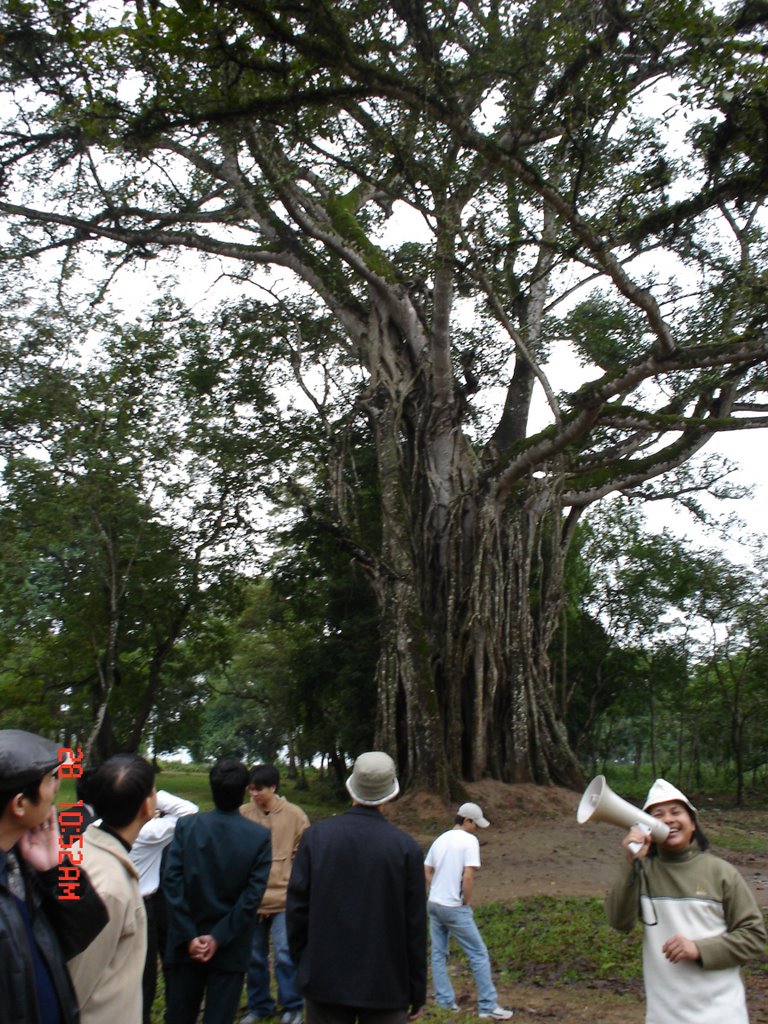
column 293, row 677
column 641, row 589
column 733, row 663
column 665, row 644
column 123, row 514
column 324, row 598
column 584, row 180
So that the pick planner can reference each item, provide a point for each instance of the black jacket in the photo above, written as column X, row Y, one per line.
column 356, row 913
column 62, row 928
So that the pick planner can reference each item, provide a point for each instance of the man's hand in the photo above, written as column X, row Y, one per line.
column 679, row 948
column 202, row 948
column 40, row 845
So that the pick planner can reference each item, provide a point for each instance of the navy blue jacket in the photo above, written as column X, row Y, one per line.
column 356, row 913
column 214, row 879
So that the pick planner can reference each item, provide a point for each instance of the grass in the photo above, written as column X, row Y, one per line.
column 158, row 1007
column 544, row 942
column 540, row 941
column 743, row 837
column 557, row 943
column 547, row 941
column 319, row 798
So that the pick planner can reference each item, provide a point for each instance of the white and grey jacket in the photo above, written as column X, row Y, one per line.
column 704, row 898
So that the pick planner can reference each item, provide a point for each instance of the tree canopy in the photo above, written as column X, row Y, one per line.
column 432, row 201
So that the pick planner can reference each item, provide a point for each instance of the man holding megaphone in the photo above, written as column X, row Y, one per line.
column 700, row 918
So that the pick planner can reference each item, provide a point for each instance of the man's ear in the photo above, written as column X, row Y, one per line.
column 147, row 811
column 18, row 805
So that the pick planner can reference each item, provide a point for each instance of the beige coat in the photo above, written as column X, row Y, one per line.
column 287, row 823
column 107, row 975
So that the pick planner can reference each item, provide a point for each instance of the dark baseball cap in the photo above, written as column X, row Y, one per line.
column 25, row 757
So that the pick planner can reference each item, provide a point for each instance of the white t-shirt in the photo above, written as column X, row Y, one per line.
column 448, row 856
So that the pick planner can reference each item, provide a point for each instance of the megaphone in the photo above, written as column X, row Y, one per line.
column 600, row 803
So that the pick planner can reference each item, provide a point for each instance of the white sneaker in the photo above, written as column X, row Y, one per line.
column 497, row 1013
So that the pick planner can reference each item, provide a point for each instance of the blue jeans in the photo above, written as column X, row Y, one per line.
column 260, row 1001
column 459, row 922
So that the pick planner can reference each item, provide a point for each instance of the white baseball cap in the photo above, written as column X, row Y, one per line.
column 474, row 813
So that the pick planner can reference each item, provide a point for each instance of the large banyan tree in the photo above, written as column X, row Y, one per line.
column 435, row 202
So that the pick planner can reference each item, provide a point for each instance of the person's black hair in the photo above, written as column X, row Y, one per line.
column 119, row 787
column 459, row 820
column 228, row 781
column 31, row 791
column 264, row 775
column 699, row 836
column 83, row 784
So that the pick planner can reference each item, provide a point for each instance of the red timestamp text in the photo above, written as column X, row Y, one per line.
column 70, row 818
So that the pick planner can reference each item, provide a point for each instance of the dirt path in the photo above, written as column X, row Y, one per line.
column 535, row 847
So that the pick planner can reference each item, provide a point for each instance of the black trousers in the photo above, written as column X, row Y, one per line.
column 154, row 906
column 335, row 1013
column 187, row 983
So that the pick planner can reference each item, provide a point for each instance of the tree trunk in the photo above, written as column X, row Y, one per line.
column 469, row 588
column 408, row 721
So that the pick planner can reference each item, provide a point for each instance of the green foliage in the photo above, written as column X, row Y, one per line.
column 604, row 332
column 298, row 667
column 121, row 520
column 664, row 656
column 250, row 713
column 331, row 611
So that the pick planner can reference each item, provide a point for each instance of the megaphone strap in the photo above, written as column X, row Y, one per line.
column 641, row 876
